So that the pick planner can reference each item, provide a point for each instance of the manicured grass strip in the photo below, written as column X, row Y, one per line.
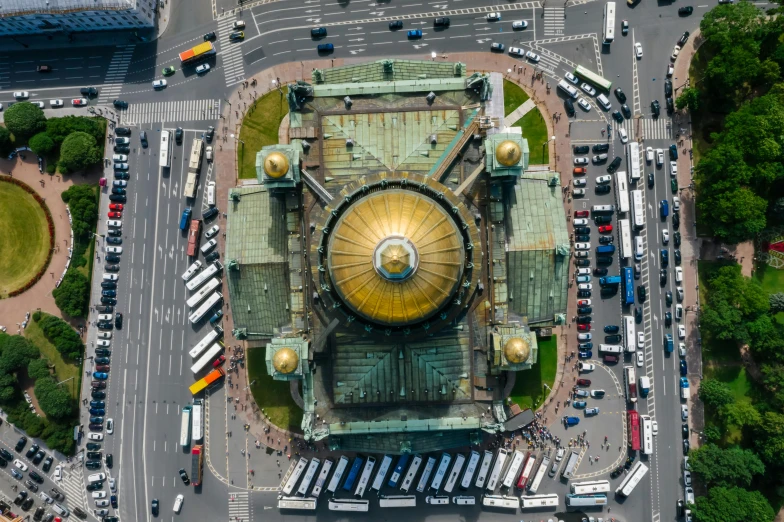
column 529, row 390
column 63, row 370
column 260, row 128
column 535, row 131
column 514, row 96
column 274, row 397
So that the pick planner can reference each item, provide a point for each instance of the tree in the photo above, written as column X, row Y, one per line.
column 732, row 504
column 769, row 438
column 17, row 352
column 55, row 401
column 776, row 302
column 78, row 151
column 59, row 128
column 715, row 394
column 73, row 294
column 60, row 334
column 84, row 208
column 38, row 368
column 688, row 99
column 8, row 389
column 741, row 414
column 24, row 120
column 6, row 145
column 41, row 144
column 725, row 467
column 712, row 433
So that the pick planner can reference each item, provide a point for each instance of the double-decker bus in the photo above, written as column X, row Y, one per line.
column 411, row 474
column 539, row 501
column 364, row 479
column 621, row 192
column 528, row 468
column 194, row 300
column 539, row 475
column 348, row 485
column 609, row 22
column 634, row 477
column 185, row 427
column 646, row 434
column 334, row 484
column 309, row 474
column 585, row 500
column 495, row 473
column 438, row 478
column 381, row 474
column 630, row 380
column 625, row 233
column 203, row 276
column 591, row 77
column 627, row 278
column 514, row 468
column 484, row 469
column 457, row 467
column 431, row 463
column 630, row 333
column 322, row 477
column 638, row 210
column 633, row 428
column 591, row 487
column 633, row 160
column 208, row 305
column 348, row 504
column 194, row 233
column 165, row 153
column 473, row 463
column 500, row 501
column 398, row 471
column 197, row 420
column 297, row 503
column 299, row 469
column 208, row 339
column 385, row 501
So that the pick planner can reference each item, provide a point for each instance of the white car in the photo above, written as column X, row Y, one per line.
column 116, row 223
column 673, row 168
column 56, row 103
column 655, row 428
column 586, row 367
column 580, row 182
column 159, row 84
column 95, row 436
column 212, row 231
column 678, row 274
column 493, row 17
column 178, row 503
column 99, row 494
column 516, row 51
column 681, row 331
column 122, row 141
column 114, row 250
column 587, row 88
column 679, row 292
column 585, row 286
column 601, row 180
column 682, row 349
column 689, row 494
column 203, row 68
column 560, row 454
column 104, row 335
column 641, row 340
column 119, row 157
column 678, row 312
column 659, row 157
column 39, row 104
column 649, row 154
column 21, row 95
column 676, row 203
column 581, row 161
column 582, row 102
column 676, row 50
column 101, row 512
column 119, row 183
column 684, row 412
column 572, row 78
column 584, row 337
column 209, row 245
column 102, row 503
column 638, row 50
column 110, row 277
column 79, row 102
column 208, row 153
column 581, row 253
column 578, row 192
column 582, row 246
column 670, row 70
column 112, row 484
column 622, row 134
column 58, row 473
column 532, row 56
column 584, row 271
column 19, row 464
column 519, row 24
column 580, row 222
column 665, row 236
column 640, row 359
column 105, row 343
column 109, row 425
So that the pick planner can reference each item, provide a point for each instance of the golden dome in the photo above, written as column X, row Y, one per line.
column 516, row 350
column 285, row 360
column 395, row 257
column 276, row 165
column 508, row 153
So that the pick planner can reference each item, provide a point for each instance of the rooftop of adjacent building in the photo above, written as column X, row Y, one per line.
column 21, row 7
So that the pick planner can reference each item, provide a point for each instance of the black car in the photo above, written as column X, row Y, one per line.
column 112, row 268
column 569, row 106
column 99, row 404
column 109, row 293
column 154, row 507
column 118, row 320
column 114, row 232
column 213, row 256
column 36, row 477
column 39, row 513
column 611, row 339
column 602, row 220
column 109, row 460
column 609, row 291
column 663, row 277
column 637, row 271
column 98, row 385
column 676, row 220
column 6, row 454
column 98, row 395
column 184, row 476
column 685, row 430
column 685, row 11
column 109, row 284
column 677, row 256
column 676, row 238
column 104, row 325
column 395, row 25
column 114, row 240
column 318, row 32
column 178, row 134
column 668, row 298
column 103, row 351
column 118, row 174
column 612, row 328
column 96, row 486
column 210, row 134
column 664, row 256
column 31, row 451
column 650, row 180
column 118, row 198
column 655, row 108
column 92, row 464
column 581, row 149
column 629, row 461
column 582, row 238
column 93, row 446
column 582, row 262
column 27, row 504
column 583, row 293
column 642, row 293
column 89, row 91
column 582, row 310
column 38, row 457
column 122, row 149
column 670, row 105
column 209, row 213
column 600, row 271
column 684, row 38
column 120, row 104
column 143, row 138
column 616, row 472
column 441, row 22
column 582, row 230
column 617, row 116
column 637, row 315
column 685, row 446
column 584, row 320
column 667, row 87
column 606, row 240
column 122, row 131
column 100, row 360
column 627, row 112
column 612, row 167
column 32, row 486
column 620, row 95
column 604, row 260
column 118, row 190
column 112, row 518
column 600, row 147
column 210, row 37
column 237, row 35
column 108, row 300
column 20, row 498
column 81, row 514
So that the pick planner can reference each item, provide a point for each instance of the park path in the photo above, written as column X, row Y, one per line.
column 526, row 107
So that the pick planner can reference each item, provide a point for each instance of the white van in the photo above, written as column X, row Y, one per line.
column 604, row 102
column 211, row 193
column 611, row 348
column 685, row 393
column 96, row 477
column 603, row 209
column 639, row 248
column 567, row 88
column 60, row 510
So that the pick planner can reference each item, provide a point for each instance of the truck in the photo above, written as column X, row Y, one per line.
column 197, row 460
column 668, row 343
column 194, row 166
column 610, row 280
column 193, row 237
column 208, row 379
column 645, row 385
column 195, row 54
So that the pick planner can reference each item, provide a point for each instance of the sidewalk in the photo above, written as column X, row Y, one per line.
column 519, row 112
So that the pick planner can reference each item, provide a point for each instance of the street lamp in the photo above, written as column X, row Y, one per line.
column 433, row 55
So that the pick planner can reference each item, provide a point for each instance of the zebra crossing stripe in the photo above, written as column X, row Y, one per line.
column 231, row 53
column 553, row 21
column 239, row 507
column 187, row 110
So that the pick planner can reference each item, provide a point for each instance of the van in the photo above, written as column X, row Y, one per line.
column 645, row 385
column 684, row 393
column 605, row 249
column 603, row 101
column 60, row 510
column 96, row 477
column 211, row 193
column 639, row 248
column 568, row 88
column 603, row 209
column 569, row 106
column 610, row 348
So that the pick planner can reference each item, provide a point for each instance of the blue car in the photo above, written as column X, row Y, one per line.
column 585, row 346
column 96, row 420
column 586, row 355
column 102, row 360
column 684, row 382
column 415, row 33
column 684, row 368
column 664, row 208
column 571, row 421
column 100, row 376
column 591, row 411
column 579, row 404
column 97, row 411
column 97, row 404
column 612, row 329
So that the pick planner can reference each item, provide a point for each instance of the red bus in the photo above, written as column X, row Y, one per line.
column 193, row 237
column 634, row 429
column 528, row 467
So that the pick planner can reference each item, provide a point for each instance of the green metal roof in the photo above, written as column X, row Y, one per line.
column 398, row 87
column 397, row 443
column 401, row 70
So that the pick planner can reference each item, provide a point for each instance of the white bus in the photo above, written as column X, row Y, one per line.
column 484, row 468
column 203, row 292
column 500, row 501
column 438, row 478
column 585, row 500
column 334, row 484
column 633, row 160
column 208, row 339
column 630, row 333
column 634, row 477
column 348, row 504
column 630, row 379
column 195, row 266
column 539, row 475
column 207, row 358
column 322, row 478
column 646, row 434
column 638, row 210
column 464, row 500
column 473, row 462
column 397, row 501
column 514, row 469
column 571, row 465
column 609, row 22
column 381, row 474
column 206, row 307
column 495, row 473
column 591, row 487
column 295, row 475
column 203, row 276
column 411, row 474
column 309, row 474
column 431, row 463
column 622, row 192
column 457, row 467
column 625, row 233
column 165, row 154
column 197, row 420
column 364, row 479
column 539, row 501
column 306, row 504
column 185, row 427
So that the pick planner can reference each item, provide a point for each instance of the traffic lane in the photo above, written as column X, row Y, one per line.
column 65, row 68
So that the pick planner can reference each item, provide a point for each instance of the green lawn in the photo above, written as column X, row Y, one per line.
column 63, row 370
column 514, row 96
column 24, row 237
column 535, row 131
column 260, row 128
column 274, row 397
column 772, row 280
column 529, row 390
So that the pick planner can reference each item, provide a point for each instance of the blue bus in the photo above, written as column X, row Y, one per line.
column 628, row 286
column 352, row 475
column 399, row 469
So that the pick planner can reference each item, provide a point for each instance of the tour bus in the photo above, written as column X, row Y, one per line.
column 484, row 468
column 638, row 210
column 399, row 469
column 473, row 462
column 397, row 501
column 539, row 475
column 630, row 379
column 348, row 504
column 571, row 465
column 591, row 487
column 207, row 358
column 464, row 500
column 630, row 333
column 622, row 191
column 627, row 285
column 539, row 501
column 165, row 151
column 634, row 477
column 309, row 474
column 609, row 22
column 295, row 475
column 457, row 467
column 203, row 276
column 514, row 469
column 500, row 501
column 528, row 468
column 298, row 503
column 585, row 500
column 646, row 434
column 348, row 485
column 438, row 478
column 334, row 484
column 203, row 292
column 411, row 474
column 208, row 339
column 185, row 427
column 322, row 478
column 625, row 232
column 495, row 473
column 633, row 429
column 381, row 474
column 431, row 463
column 364, row 479
column 197, row 420
column 208, row 305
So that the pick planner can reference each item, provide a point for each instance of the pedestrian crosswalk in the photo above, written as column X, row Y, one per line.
column 154, row 112
column 231, row 52
column 646, row 129
column 553, row 21
column 546, row 62
column 115, row 75
column 72, row 486
column 239, row 507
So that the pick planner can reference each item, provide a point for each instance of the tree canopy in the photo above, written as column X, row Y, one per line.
column 24, row 120
column 41, row 144
column 59, row 128
column 5, row 141
column 731, row 505
column 84, row 208
column 38, row 368
column 725, row 467
column 16, row 352
column 54, row 400
column 60, row 334
column 715, row 394
column 78, row 151
column 73, row 294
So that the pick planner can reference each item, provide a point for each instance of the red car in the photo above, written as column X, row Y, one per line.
column 117, row 215
column 605, row 229
column 583, row 327
column 583, row 302
column 583, row 382
column 102, row 368
column 581, row 213
column 220, row 360
column 115, row 206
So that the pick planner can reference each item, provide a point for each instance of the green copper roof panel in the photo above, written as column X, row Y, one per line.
column 401, row 70
column 397, row 443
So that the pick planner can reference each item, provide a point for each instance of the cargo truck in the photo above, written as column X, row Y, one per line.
column 208, row 379
column 193, row 237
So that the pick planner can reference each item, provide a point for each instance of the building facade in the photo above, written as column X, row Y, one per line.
column 32, row 17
